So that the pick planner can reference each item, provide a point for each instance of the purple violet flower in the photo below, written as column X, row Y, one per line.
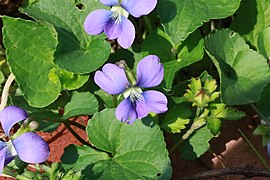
column 137, row 104
column 30, row 147
column 114, row 22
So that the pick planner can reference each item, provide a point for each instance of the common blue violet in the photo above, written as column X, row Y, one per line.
column 30, row 147
column 114, row 22
column 137, row 104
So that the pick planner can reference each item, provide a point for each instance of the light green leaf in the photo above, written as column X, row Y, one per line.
column 2, row 78
column 197, row 144
column 252, row 18
column 70, row 80
column 219, row 110
column 178, row 125
column 263, row 43
column 243, row 72
column 181, row 18
column 77, row 51
column 261, row 130
column 174, row 58
column 30, row 49
column 135, row 151
column 214, row 125
column 81, row 103
column 177, row 118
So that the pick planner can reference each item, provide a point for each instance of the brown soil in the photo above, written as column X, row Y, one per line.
column 230, row 148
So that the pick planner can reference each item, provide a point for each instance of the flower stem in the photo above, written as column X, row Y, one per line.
column 148, row 23
column 255, row 150
column 114, row 100
column 76, row 135
column 195, row 125
column 5, row 92
column 67, row 122
column 260, row 114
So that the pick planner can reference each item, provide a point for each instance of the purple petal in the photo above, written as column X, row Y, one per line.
column 109, row 2
column 112, row 79
column 125, row 111
column 10, row 153
column 96, row 21
column 2, row 145
column 268, row 149
column 31, row 148
column 112, row 29
column 2, row 159
column 150, row 72
column 138, row 8
column 142, row 109
column 127, row 35
column 10, row 116
column 156, row 101
column 5, row 155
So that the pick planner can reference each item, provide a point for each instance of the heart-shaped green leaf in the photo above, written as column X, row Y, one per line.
column 77, row 51
column 182, row 17
column 30, row 49
column 135, row 151
column 243, row 72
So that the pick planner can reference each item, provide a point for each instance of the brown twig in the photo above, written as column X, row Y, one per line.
column 248, row 172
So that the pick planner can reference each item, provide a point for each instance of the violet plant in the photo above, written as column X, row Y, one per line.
column 186, row 63
column 114, row 23
column 137, row 104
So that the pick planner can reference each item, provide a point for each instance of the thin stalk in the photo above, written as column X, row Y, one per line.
column 114, row 101
column 260, row 114
column 67, row 122
column 180, row 141
column 255, row 150
column 197, row 123
column 77, row 136
column 194, row 126
column 148, row 23
column 81, row 139
column 220, row 160
column 5, row 93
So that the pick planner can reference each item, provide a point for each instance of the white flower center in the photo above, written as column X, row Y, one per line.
column 11, row 148
column 134, row 93
column 118, row 12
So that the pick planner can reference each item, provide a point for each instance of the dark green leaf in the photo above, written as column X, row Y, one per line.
column 174, row 58
column 134, row 151
column 252, row 18
column 243, row 72
column 182, row 17
column 77, row 51
column 82, row 103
